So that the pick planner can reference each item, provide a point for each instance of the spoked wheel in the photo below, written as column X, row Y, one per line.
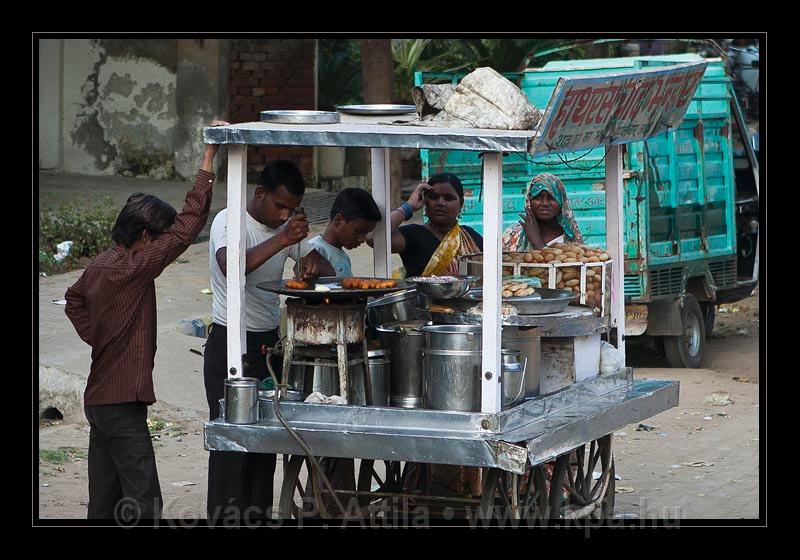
column 369, row 480
column 585, row 495
column 295, row 492
column 406, row 479
column 508, row 495
column 305, row 495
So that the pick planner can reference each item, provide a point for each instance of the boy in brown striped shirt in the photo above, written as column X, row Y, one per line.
column 113, row 309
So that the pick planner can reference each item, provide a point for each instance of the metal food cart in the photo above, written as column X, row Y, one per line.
column 571, row 427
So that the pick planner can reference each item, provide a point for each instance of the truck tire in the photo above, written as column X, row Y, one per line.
column 709, row 316
column 686, row 350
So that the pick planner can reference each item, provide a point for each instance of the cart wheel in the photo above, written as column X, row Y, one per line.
column 392, row 481
column 686, row 350
column 295, row 498
column 398, row 478
column 508, row 495
column 303, row 498
column 583, row 496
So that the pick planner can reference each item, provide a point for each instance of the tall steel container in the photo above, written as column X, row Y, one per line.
column 452, row 367
column 404, row 342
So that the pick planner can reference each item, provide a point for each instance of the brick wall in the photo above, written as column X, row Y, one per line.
column 272, row 74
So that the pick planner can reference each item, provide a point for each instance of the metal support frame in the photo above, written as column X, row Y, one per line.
column 615, row 230
column 381, row 181
column 235, row 251
column 491, row 395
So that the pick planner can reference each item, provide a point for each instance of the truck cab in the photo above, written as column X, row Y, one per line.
column 691, row 202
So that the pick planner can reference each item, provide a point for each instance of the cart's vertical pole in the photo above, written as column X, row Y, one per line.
column 491, row 398
column 237, row 247
column 382, row 249
column 615, row 231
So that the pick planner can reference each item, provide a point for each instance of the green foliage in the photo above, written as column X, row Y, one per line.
column 61, row 455
column 89, row 229
column 450, row 55
column 338, row 73
column 432, row 55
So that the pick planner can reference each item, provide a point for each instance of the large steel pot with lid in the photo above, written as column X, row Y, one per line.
column 452, row 367
column 404, row 342
column 393, row 308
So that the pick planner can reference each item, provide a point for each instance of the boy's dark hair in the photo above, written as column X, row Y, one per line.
column 355, row 203
column 448, row 178
column 142, row 212
column 282, row 172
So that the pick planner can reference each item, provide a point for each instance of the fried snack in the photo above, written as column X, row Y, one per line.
column 297, row 285
column 367, row 284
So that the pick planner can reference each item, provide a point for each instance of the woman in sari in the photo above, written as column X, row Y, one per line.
column 433, row 249
column 548, row 217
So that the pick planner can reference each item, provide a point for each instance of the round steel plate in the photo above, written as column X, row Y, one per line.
column 377, row 109
column 300, row 117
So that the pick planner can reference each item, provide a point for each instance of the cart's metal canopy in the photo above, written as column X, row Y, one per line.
column 372, row 136
column 583, row 113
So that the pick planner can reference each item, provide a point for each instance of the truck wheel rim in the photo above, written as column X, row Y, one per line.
column 692, row 335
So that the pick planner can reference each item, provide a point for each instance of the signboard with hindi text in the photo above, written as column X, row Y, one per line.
column 616, row 108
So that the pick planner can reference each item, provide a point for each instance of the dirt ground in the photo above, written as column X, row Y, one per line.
column 696, row 461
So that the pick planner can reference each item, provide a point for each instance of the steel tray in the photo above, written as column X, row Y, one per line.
column 377, row 109
column 336, row 291
column 300, row 117
column 551, row 301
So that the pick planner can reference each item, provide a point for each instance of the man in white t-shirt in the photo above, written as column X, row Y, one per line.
column 244, row 480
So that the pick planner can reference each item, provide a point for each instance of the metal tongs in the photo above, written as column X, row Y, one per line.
column 297, row 274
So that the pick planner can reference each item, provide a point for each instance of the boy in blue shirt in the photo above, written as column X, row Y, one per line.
column 354, row 214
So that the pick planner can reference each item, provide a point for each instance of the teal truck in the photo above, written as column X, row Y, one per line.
column 691, row 202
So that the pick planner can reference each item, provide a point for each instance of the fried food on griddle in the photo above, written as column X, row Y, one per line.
column 297, row 285
column 367, row 284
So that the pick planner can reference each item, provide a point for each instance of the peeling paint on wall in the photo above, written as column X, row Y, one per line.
column 195, row 111
column 121, row 85
column 125, row 117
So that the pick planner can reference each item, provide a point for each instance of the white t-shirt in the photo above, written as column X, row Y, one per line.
column 334, row 255
column 262, row 308
column 559, row 239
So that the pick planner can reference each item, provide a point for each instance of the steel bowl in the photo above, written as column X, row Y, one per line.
column 445, row 289
column 398, row 306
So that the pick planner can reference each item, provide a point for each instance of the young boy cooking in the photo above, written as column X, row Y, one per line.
column 354, row 214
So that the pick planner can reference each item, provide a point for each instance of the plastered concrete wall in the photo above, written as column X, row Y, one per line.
column 50, row 58
column 119, row 107
column 201, row 97
column 135, row 107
